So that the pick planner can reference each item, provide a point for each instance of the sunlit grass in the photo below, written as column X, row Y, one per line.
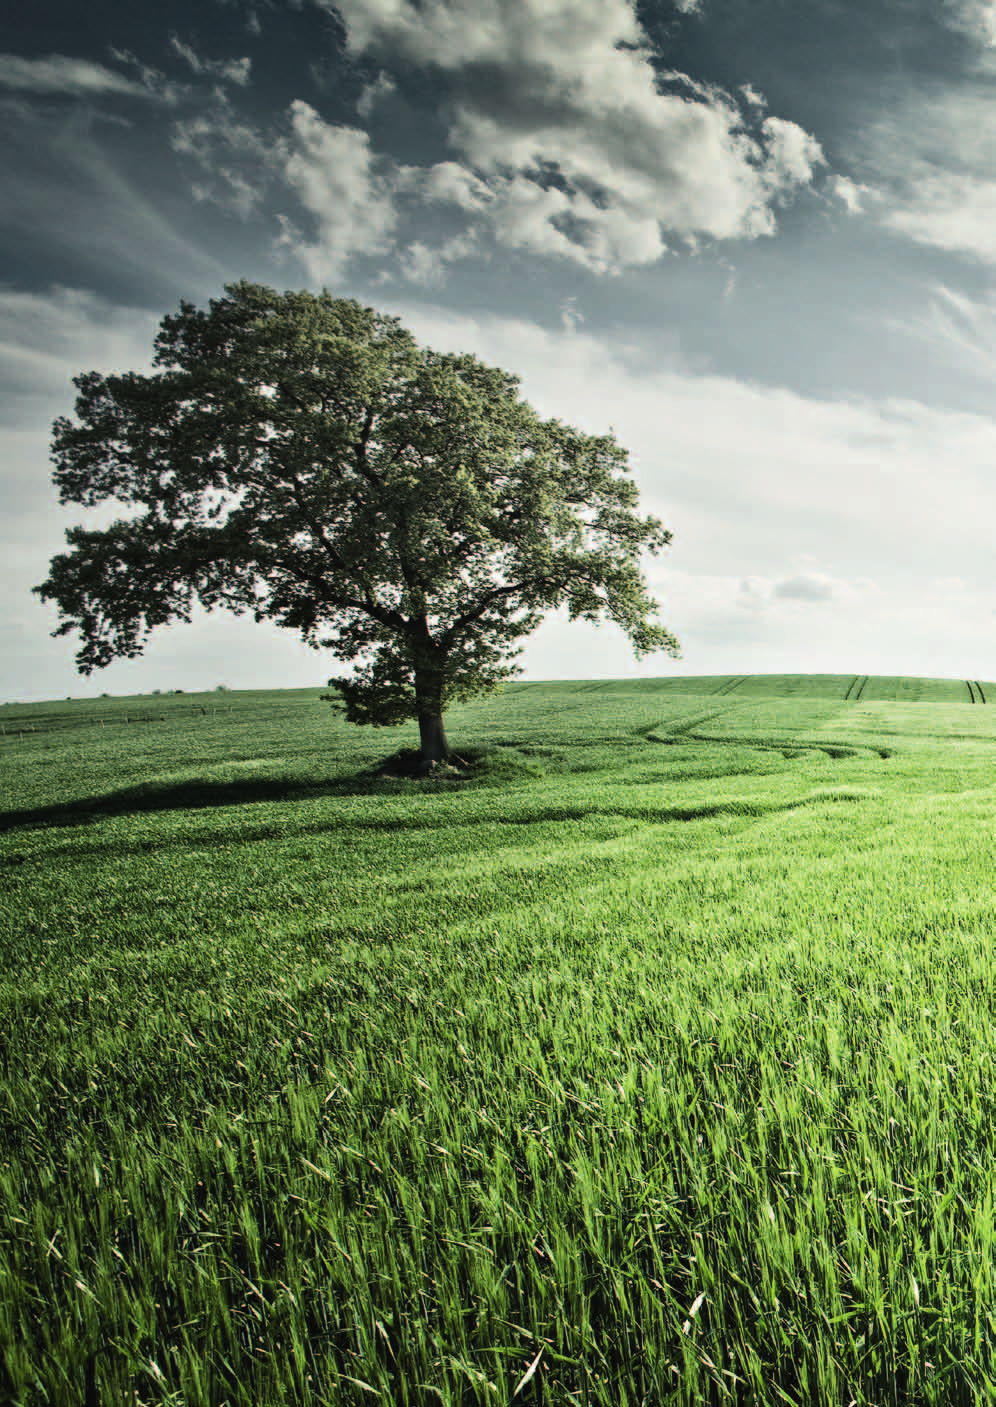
column 657, row 1058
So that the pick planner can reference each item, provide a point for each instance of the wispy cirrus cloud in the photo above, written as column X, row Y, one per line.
column 953, row 210
column 60, row 74
column 930, row 153
column 960, row 328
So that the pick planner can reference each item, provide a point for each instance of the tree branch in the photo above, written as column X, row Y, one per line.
column 362, row 461
column 490, row 597
column 369, row 604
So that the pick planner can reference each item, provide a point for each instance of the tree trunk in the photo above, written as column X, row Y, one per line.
column 432, row 737
column 430, row 668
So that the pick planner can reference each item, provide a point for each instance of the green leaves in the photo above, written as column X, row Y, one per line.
column 301, row 457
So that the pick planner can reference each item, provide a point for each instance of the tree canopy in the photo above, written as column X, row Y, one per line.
column 301, row 458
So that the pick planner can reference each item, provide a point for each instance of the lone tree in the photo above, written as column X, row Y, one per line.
column 300, row 457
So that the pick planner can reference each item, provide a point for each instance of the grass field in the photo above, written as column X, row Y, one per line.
column 656, row 1063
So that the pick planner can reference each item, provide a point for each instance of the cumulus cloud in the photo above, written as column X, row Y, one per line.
column 793, row 154
column 586, row 153
column 231, row 70
column 427, row 264
column 567, row 143
column 450, row 183
column 61, row 74
column 853, row 194
column 331, row 169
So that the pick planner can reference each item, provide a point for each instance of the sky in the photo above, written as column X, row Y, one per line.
column 754, row 239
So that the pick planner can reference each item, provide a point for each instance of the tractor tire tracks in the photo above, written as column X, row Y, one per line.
column 729, row 686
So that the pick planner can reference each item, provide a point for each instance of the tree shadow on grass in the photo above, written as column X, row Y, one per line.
column 191, row 796
column 394, row 776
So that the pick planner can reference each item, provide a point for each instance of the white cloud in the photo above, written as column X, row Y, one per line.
column 331, row 169
column 58, row 73
column 932, row 154
column 793, row 154
column 952, row 210
column 851, row 193
column 233, row 70
column 426, row 264
column 234, row 192
column 450, row 183
column 577, row 154
column 200, row 136
column 580, row 100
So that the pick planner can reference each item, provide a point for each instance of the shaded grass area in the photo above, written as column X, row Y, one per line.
column 664, row 1068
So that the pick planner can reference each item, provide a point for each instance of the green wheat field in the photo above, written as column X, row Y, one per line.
column 654, row 1062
